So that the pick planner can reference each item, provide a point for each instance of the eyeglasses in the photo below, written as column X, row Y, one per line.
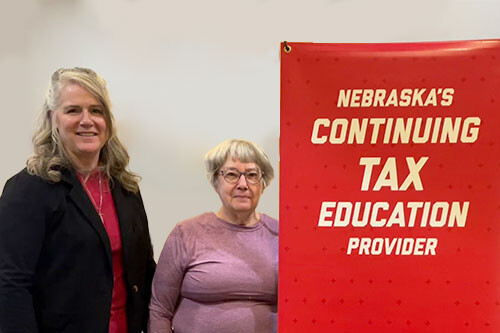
column 232, row 176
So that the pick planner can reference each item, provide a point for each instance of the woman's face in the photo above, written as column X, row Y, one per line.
column 241, row 197
column 80, row 121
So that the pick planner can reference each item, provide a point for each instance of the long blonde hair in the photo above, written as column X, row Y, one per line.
column 49, row 156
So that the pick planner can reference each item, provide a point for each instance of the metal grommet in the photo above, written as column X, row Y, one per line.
column 135, row 288
column 287, row 48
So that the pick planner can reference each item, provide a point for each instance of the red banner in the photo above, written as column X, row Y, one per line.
column 389, row 187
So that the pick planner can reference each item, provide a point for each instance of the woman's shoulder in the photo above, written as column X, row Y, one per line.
column 270, row 222
column 197, row 222
column 197, row 225
column 24, row 181
column 268, row 219
column 25, row 189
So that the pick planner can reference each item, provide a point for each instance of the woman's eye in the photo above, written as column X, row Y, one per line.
column 97, row 111
column 252, row 175
column 232, row 175
column 71, row 110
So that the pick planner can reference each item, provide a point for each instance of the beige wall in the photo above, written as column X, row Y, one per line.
column 184, row 75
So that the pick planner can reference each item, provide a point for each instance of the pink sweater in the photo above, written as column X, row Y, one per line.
column 214, row 276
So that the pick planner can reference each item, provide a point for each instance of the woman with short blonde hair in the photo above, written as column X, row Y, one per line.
column 218, row 272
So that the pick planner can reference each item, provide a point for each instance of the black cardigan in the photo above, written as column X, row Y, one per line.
column 56, row 270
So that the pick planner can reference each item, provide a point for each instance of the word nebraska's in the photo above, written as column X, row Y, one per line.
column 365, row 98
column 382, row 214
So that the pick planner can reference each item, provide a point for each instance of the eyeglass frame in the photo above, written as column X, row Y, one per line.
column 244, row 173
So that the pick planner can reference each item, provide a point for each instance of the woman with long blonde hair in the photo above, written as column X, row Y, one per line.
column 75, row 250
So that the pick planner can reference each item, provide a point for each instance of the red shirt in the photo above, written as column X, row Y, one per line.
column 99, row 192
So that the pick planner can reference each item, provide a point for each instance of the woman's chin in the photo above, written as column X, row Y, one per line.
column 242, row 208
column 88, row 149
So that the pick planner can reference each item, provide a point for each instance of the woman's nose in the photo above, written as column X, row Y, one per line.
column 242, row 182
column 85, row 119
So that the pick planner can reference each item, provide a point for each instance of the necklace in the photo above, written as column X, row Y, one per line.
column 91, row 197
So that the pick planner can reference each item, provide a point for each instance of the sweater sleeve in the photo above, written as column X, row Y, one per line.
column 167, row 282
column 23, row 212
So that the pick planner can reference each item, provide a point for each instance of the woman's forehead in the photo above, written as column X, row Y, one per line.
column 73, row 93
column 237, row 164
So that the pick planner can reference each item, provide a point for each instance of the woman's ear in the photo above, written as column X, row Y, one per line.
column 216, row 186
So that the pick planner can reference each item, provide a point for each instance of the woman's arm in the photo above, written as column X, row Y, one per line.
column 22, row 230
column 167, row 283
column 150, row 264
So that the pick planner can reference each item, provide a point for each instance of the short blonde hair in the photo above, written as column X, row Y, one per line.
column 49, row 155
column 243, row 150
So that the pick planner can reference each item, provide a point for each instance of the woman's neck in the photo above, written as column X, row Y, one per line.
column 247, row 219
column 83, row 165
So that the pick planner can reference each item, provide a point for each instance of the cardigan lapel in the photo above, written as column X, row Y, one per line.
column 83, row 203
column 125, row 218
